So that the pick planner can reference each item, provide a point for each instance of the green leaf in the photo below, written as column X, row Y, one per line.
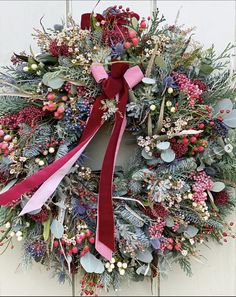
column 46, row 228
column 170, row 222
column 206, row 69
column 46, row 58
column 145, row 257
column 160, row 62
column 164, row 145
column 52, row 80
column 145, row 155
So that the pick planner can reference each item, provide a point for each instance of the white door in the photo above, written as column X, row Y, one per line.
column 215, row 22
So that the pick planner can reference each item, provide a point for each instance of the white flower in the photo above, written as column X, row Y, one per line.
column 122, row 272
column 184, row 253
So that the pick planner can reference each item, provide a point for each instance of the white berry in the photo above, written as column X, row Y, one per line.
column 34, row 66
column 19, row 233
column 125, row 265
column 8, row 225
column 113, row 260
column 19, row 238
column 107, row 265
column 122, row 272
column 41, row 163
column 51, row 150
column 119, row 264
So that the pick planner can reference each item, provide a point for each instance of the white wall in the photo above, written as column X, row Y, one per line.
column 215, row 22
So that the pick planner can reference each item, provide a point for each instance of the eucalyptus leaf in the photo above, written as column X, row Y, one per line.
column 170, row 222
column 168, row 156
column 52, row 80
column 144, row 270
column 148, row 81
column 164, row 145
column 230, row 119
column 57, row 229
column 225, row 104
column 91, row 264
column 218, row 187
column 191, row 231
column 145, row 257
column 145, row 155
column 8, row 186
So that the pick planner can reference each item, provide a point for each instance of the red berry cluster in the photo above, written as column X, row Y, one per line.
column 42, row 216
column 29, row 115
column 57, row 50
column 55, row 104
column 80, row 245
column 89, row 285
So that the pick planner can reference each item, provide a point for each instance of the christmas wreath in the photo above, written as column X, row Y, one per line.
column 157, row 83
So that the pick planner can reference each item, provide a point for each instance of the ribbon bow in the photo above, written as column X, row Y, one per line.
column 116, row 85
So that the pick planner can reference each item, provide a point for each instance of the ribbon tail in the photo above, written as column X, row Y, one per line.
column 105, row 242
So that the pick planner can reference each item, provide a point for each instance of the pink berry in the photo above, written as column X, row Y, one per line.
column 185, row 140
column 82, row 236
column 7, row 138
column 127, row 45
column 64, row 98
column 143, row 25
column 4, row 146
column 78, row 240
column 75, row 250
column 60, row 109
column 212, row 123
column 201, row 149
column 70, row 252
column 52, row 106
column 201, row 126
column 170, row 247
column 222, row 110
column 82, row 254
column 1, row 133
column 193, row 139
column 86, row 249
column 178, row 247
column 132, row 33
column 51, row 96
column 55, row 244
column 92, row 240
column 135, row 41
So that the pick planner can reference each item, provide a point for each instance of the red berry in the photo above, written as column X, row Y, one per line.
column 127, row 45
column 86, row 249
column 70, row 252
column 201, row 126
column 201, row 149
column 4, row 146
column 127, row 9
column 120, row 7
column 132, row 33
column 92, row 240
column 225, row 234
column 82, row 254
column 56, row 244
column 143, row 25
column 2, row 132
column 51, row 96
column 212, row 123
column 135, row 41
column 78, row 240
column 231, row 224
column 193, row 139
column 68, row 243
column 195, row 149
column 75, row 250
column 52, row 106
column 222, row 110
column 185, row 140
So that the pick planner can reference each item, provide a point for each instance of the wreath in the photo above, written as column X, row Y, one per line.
column 175, row 99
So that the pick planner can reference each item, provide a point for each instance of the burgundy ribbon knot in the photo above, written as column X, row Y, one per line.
column 116, row 85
